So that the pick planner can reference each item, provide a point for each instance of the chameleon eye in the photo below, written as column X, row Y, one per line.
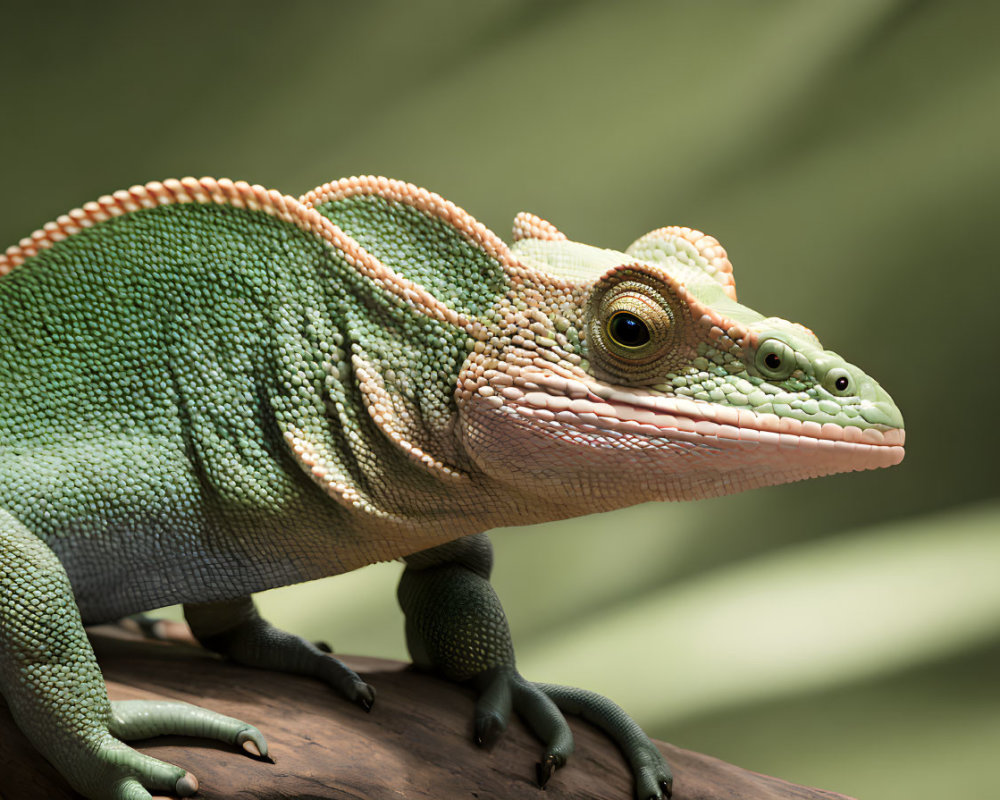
column 775, row 360
column 636, row 327
column 632, row 328
column 627, row 330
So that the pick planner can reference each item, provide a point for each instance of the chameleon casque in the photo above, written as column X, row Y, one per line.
column 210, row 389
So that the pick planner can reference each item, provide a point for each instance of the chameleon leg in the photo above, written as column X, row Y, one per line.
column 456, row 626
column 52, row 684
column 235, row 629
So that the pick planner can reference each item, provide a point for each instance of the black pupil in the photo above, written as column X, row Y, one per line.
column 772, row 360
column 628, row 330
column 841, row 383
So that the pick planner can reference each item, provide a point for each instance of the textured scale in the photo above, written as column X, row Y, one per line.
column 210, row 389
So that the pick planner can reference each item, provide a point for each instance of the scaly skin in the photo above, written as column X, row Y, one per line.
column 210, row 389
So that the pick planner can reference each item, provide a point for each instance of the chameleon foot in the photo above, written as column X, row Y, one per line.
column 112, row 770
column 653, row 779
column 235, row 629
column 504, row 691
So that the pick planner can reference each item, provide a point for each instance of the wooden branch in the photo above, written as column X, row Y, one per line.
column 416, row 744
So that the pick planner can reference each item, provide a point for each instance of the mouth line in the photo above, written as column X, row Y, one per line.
column 550, row 397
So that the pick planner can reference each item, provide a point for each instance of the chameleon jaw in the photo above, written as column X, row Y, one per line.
column 772, row 442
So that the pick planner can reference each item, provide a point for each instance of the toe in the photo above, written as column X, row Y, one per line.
column 544, row 769
column 493, row 709
column 653, row 782
column 547, row 723
column 186, row 785
column 363, row 694
column 488, row 727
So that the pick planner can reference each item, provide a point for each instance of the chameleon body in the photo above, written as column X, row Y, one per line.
column 210, row 389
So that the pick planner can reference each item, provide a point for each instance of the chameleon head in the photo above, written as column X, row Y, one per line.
column 624, row 377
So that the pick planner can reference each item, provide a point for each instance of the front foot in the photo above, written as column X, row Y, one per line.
column 653, row 778
column 503, row 691
column 111, row 770
column 541, row 705
column 114, row 771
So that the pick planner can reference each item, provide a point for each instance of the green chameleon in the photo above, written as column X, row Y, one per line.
column 210, row 389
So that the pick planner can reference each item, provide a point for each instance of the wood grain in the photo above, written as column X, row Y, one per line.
column 416, row 743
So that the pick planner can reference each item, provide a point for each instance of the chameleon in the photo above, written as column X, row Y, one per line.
column 211, row 389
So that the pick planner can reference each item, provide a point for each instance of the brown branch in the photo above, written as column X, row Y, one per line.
column 416, row 743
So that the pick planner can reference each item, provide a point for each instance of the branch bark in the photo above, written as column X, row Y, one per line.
column 416, row 743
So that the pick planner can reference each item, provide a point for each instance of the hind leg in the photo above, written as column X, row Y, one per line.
column 235, row 629
column 56, row 693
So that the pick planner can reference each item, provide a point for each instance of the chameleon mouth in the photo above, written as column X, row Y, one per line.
column 550, row 398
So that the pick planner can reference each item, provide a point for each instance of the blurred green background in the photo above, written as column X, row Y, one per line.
column 843, row 633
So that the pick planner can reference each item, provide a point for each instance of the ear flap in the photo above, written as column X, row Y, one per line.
column 530, row 226
column 394, row 343
column 692, row 249
column 420, row 236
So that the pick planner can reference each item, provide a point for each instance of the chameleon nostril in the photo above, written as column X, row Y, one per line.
column 838, row 381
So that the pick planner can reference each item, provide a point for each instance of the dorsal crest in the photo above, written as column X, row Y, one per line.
column 531, row 226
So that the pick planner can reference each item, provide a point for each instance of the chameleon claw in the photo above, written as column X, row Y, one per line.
column 545, row 768
column 488, row 730
column 323, row 647
column 251, row 748
column 186, row 785
column 366, row 696
column 254, row 745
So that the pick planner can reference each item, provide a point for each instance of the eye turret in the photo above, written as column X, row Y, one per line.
column 634, row 329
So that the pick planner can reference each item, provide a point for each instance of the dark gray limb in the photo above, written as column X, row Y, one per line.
column 456, row 626
column 235, row 629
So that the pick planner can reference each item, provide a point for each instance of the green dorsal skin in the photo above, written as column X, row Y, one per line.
column 168, row 385
column 427, row 250
column 210, row 389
